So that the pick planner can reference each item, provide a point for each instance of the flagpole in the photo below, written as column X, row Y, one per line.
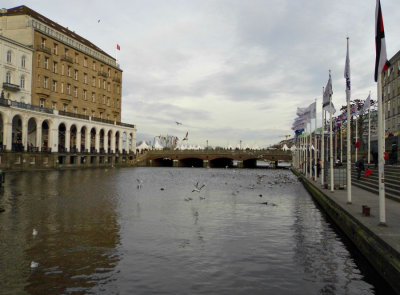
column 330, row 138
column 369, row 129
column 315, row 142
column 348, row 133
column 341, row 141
column 381, row 151
column 356, row 134
column 310, row 166
column 322, row 140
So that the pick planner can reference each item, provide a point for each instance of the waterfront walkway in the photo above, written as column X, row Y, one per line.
column 390, row 233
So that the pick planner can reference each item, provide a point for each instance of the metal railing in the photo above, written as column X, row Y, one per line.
column 126, row 125
column 73, row 115
column 30, row 107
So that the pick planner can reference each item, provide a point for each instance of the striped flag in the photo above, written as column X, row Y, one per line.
column 381, row 62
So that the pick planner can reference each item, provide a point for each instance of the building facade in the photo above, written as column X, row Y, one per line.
column 75, row 101
column 15, row 70
column 391, row 92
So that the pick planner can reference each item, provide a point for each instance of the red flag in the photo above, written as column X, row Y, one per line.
column 357, row 144
column 367, row 172
column 118, row 48
column 381, row 62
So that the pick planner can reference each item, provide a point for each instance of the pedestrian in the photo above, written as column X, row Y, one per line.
column 360, row 167
column 318, row 167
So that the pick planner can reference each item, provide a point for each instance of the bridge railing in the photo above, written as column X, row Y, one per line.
column 257, row 153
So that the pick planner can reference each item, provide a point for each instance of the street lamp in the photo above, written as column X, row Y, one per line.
column 240, row 146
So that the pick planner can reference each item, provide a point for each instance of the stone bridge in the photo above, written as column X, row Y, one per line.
column 214, row 158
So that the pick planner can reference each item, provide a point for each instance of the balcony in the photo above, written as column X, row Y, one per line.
column 43, row 49
column 116, row 79
column 67, row 59
column 11, row 87
column 103, row 74
column 125, row 125
column 26, row 106
column 73, row 115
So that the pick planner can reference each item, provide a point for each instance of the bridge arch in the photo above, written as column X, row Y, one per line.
column 221, row 163
column 162, row 162
column 190, row 162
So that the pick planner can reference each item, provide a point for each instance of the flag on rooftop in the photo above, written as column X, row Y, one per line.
column 381, row 62
column 118, row 47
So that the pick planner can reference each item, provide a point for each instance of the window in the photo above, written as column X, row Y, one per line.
column 84, row 94
column 65, row 107
column 9, row 56
column 108, row 101
column 101, row 115
column 109, row 72
column 54, row 67
column 104, row 99
column 99, row 83
column 45, row 82
column 46, row 63
column 94, row 66
column 84, row 111
column 41, row 102
column 54, row 105
column 66, row 52
column 54, row 86
column 62, row 87
column 104, row 84
column 8, row 77
column 38, row 81
column 93, row 97
column 39, row 60
column 93, row 113
column 75, row 91
column 77, row 58
column 69, row 89
column 85, row 78
column 85, row 62
column 23, row 61
column 55, row 48
column 69, row 71
column 75, row 110
column 22, row 83
column 43, row 43
column 76, row 74
column 62, row 69
column 94, row 81
column 108, row 87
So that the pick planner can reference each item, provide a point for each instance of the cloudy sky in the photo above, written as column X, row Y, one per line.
column 229, row 70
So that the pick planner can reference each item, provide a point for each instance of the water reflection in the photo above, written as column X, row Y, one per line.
column 78, row 231
column 98, row 233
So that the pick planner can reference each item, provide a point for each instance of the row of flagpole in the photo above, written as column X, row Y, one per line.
column 307, row 152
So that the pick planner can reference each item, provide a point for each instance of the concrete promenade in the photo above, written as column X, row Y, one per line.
column 380, row 245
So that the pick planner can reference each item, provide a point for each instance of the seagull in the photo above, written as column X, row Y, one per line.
column 186, row 136
column 34, row 232
column 139, row 186
column 188, row 199
column 34, row 264
column 197, row 188
column 178, row 123
column 202, row 198
column 98, row 21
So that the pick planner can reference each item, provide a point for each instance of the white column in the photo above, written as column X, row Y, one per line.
column 322, row 140
column 39, row 136
column 25, row 134
column 78, row 139
column 106, row 142
column 87, row 139
column 53, row 134
column 120, row 142
column 113, row 142
column 381, row 151
column 97, row 141
column 67, row 139
column 7, row 134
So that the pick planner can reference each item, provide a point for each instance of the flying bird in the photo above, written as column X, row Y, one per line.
column 98, row 20
column 197, row 188
column 186, row 136
column 178, row 123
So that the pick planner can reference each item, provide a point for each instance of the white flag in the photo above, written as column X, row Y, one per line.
column 347, row 74
column 327, row 92
column 367, row 104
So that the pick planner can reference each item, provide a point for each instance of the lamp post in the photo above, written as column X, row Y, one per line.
column 240, row 146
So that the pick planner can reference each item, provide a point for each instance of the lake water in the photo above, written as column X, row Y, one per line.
column 99, row 233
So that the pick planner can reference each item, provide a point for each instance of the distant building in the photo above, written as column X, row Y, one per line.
column 15, row 70
column 75, row 87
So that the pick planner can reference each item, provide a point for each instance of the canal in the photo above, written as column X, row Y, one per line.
column 160, row 231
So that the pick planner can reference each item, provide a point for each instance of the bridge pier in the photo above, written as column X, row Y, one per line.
column 175, row 163
column 240, row 164
column 206, row 164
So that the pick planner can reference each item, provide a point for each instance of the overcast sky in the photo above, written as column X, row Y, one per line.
column 229, row 70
